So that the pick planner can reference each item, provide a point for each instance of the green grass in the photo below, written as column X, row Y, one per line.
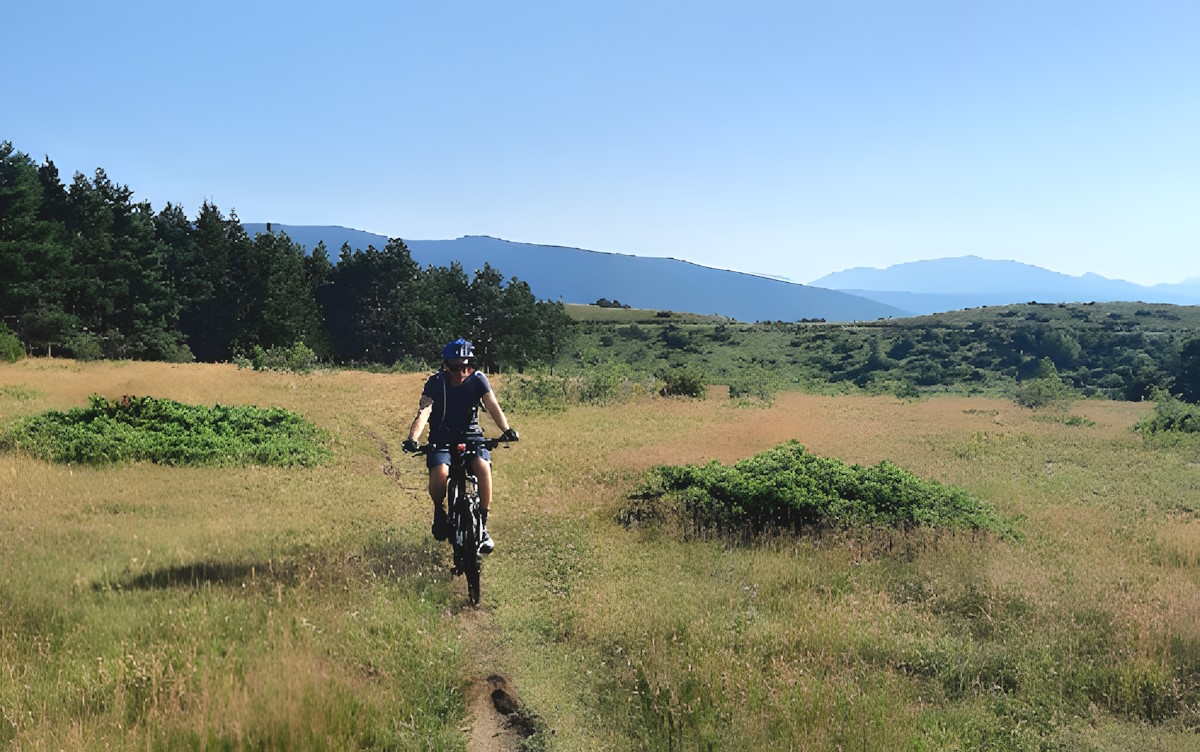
column 864, row 639
column 19, row 392
column 580, row 312
column 234, row 654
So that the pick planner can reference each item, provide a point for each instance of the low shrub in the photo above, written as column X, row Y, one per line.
column 85, row 346
column 606, row 384
column 683, row 382
column 1066, row 419
column 180, row 354
column 299, row 358
column 1045, row 392
column 748, row 384
column 1047, row 389
column 1171, row 414
column 11, row 349
column 536, row 393
column 412, row 364
column 788, row 487
column 602, row 384
column 168, row 432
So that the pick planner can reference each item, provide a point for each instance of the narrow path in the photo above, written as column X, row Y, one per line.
column 491, row 730
column 498, row 720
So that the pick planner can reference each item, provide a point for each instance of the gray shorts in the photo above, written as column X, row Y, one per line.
column 441, row 456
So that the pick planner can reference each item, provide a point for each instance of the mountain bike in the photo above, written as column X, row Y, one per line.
column 465, row 518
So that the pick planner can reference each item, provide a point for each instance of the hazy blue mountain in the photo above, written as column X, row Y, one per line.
column 575, row 275
column 969, row 281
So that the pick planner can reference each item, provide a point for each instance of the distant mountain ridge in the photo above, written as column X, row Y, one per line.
column 576, row 275
column 970, row 281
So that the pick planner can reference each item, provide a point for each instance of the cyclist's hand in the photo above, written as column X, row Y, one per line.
column 510, row 435
column 411, row 446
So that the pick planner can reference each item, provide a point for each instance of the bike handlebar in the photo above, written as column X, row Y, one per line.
column 467, row 443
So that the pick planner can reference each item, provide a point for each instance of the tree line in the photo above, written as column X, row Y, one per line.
column 88, row 272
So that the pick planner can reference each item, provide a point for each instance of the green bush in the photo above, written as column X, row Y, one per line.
column 602, row 384
column 180, row 354
column 753, row 383
column 85, row 346
column 787, row 487
column 412, row 364
column 683, row 382
column 299, row 358
column 168, row 432
column 11, row 349
column 1046, row 390
column 1035, row 393
column 1170, row 415
column 536, row 393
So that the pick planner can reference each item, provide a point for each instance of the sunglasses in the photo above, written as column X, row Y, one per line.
column 458, row 367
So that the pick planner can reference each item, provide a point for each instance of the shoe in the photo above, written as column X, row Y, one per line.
column 487, row 545
column 441, row 525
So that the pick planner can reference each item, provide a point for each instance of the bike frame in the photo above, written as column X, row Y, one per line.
column 462, row 497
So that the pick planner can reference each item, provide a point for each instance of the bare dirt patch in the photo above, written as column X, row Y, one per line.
column 499, row 721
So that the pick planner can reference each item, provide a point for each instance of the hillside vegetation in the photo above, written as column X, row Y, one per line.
column 258, row 607
column 1114, row 350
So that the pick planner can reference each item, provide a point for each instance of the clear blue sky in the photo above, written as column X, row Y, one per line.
column 789, row 138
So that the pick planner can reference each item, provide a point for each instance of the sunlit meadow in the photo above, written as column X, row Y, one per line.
column 144, row 606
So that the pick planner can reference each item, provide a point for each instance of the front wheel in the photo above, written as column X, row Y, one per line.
column 471, row 559
column 467, row 529
column 471, row 569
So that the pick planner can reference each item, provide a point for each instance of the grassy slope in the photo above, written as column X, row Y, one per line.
column 301, row 608
column 580, row 312
column 1107, row 349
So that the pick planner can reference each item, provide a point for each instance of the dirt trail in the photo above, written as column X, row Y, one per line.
column 497, row 718
column 491, row 730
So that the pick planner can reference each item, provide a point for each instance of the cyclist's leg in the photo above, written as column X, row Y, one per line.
column 439, row 475
column 483, row 473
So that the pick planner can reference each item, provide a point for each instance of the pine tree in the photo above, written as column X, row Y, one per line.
column 33, row 256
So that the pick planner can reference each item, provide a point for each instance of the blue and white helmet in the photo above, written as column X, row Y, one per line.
column 459, row 349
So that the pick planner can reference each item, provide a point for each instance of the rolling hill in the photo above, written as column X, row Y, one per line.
column 575, row 275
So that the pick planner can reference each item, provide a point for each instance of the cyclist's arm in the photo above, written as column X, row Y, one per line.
column 493, row 408
column 422, row 417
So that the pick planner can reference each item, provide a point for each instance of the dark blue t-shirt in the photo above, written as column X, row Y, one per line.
column 455, row 411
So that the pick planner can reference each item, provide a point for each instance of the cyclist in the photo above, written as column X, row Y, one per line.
column 451, row 398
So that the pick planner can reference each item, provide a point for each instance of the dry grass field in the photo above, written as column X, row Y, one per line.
column 153, row 607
